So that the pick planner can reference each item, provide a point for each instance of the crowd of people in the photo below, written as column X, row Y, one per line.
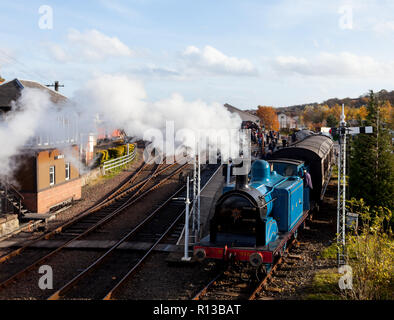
column 269, row 141
column 266, row 139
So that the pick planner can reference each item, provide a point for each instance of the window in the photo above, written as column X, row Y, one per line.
column 52, row 175
column 68, row 171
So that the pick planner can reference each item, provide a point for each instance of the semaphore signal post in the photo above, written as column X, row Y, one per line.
column 341, row 133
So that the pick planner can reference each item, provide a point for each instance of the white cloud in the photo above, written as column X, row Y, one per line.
column 97, row 45
column 328, row 64
column 90, row 45
column 214, row 61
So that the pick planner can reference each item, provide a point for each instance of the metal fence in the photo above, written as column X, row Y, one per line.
column 112, row 164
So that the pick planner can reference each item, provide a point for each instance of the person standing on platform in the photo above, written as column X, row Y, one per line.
column 308, row 180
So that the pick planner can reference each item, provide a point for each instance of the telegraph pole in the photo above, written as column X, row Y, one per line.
column 56, row 85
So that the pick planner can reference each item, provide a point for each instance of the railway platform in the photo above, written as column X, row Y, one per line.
column 210, row 192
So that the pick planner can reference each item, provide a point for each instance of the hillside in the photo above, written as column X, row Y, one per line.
column 350, row 102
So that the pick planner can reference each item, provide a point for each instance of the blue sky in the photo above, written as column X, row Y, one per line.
column 244, row 53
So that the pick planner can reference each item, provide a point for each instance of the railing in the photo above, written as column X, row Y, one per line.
column 112, row 164
column 12, row 198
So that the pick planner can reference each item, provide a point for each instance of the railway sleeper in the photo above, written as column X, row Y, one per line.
column 279, row 274
column 273, row 289
column 293, row 256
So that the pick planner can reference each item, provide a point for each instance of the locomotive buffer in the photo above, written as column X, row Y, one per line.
column 340, row 135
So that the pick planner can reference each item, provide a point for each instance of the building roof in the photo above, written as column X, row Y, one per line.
column 11, row 91
column 245, row 116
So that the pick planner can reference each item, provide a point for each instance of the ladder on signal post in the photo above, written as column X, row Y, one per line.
column 342, row 132
column 341, row 197
column 196, row 221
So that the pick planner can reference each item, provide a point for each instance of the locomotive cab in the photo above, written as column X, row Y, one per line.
column 241, row 220
column 244, row 210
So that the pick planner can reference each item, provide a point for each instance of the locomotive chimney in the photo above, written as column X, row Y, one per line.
column 241, row 172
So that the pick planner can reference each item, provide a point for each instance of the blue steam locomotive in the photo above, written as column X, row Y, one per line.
column 256, row 216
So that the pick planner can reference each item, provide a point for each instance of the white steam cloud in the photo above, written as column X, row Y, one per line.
column 121, row 103
column 17, row 127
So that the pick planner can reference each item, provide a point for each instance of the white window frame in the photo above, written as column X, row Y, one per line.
column 52, row 171
column 68, row 170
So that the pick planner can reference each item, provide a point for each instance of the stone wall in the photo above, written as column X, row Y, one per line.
column 8, row 224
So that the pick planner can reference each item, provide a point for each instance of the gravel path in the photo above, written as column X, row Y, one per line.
column 158, row 280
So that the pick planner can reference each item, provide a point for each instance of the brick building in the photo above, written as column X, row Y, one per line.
column 47, row 178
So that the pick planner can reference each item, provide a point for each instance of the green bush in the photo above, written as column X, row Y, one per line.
column 371, row 253
column 124, row 149
column 101, row 157
column 105, row 155
column 115, row 152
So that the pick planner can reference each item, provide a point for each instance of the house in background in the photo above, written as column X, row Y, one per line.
column 288, row 122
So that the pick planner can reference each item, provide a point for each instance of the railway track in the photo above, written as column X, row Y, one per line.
column 103, row 278
column 232, row 283
column 142, row 183
column 99, row 205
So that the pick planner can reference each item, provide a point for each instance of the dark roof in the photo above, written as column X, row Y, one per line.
column 10, row 91
column 245, row 116
column 292, row 161
column 319, row 145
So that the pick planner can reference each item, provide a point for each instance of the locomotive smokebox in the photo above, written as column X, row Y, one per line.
column 241, row 172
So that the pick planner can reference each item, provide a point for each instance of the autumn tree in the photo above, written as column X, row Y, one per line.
column 268, row 117
column 363, row 112
column 1, row 79
column 386, row 111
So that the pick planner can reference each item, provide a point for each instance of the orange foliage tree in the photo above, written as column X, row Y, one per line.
column 268, row 117
column 386, row 111
column 363, row 112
